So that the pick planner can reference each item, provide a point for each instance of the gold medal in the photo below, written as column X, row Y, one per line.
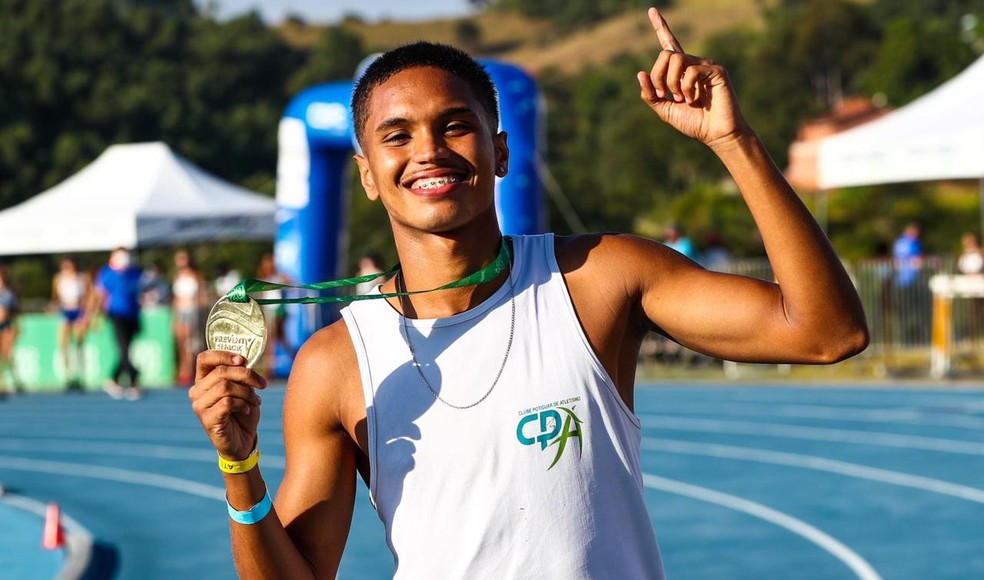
column 237, row 327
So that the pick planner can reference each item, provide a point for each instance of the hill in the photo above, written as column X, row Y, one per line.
column 537, row 45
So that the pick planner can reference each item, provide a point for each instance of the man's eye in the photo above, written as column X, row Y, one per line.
column 397, row 138
column 457, row 128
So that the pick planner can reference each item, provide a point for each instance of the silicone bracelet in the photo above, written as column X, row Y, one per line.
column 253, row 514
column 230, row 466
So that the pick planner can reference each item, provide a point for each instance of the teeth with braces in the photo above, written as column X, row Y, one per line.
column 435, row 182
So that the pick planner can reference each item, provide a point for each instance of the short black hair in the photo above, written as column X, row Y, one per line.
column 420, row 54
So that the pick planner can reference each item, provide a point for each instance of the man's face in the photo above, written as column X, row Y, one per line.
column 429, row 154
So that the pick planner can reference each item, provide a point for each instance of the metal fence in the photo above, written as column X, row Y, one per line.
column 898, row 302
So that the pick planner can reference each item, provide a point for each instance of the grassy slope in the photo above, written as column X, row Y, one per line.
column 536, row 46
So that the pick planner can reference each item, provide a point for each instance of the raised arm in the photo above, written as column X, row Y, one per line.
column 812, row 313
column 304, row 534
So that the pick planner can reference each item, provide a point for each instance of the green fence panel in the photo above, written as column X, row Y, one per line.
column 40, row 364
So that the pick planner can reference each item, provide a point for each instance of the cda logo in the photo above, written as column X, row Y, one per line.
column 551, row 427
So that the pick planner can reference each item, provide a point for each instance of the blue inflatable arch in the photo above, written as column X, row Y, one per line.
column 316, row 146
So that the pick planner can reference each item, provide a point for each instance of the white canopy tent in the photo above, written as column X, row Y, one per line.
column 135, row 195
column 938, row 136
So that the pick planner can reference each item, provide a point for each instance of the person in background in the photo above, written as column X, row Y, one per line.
column 675, row 238
column 971, row 260
column 117, row 294
column 369, row 263
column 155, row 290
column 226, row 279
column 189, row 298
column 908, row 253
column 8, row 333
column 273, row 314
column 716, row 258
column 70, row 289
column 971, row 263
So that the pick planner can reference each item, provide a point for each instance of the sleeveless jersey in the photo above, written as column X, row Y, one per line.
column 539, row 480
column 71, row 289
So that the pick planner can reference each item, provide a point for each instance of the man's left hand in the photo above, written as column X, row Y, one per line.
column 691, row 93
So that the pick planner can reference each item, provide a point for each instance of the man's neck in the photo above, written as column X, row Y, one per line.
column 430, row 260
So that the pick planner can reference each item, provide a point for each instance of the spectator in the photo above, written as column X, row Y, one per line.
column 70, row 289
column 369, row 263
column 675, row 238
column 971, row 263
column 8, row 333
column 155, row 290
column 189, row 298
column 716, row 256
column 274, row 314
column 226, row 279
column 117, row 294
column 908, row 253
column 971, row 260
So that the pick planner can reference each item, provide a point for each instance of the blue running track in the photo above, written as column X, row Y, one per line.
column 742, row 482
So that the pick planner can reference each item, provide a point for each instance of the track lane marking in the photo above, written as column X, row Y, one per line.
column 667, row 423
column 818, row 464
column 113, row 474
column 861, row 568
column 124, row 449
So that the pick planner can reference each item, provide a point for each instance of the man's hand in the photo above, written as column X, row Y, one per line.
column 225, row 400
column 690, row 93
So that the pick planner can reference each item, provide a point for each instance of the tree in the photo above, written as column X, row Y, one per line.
column 335, row 57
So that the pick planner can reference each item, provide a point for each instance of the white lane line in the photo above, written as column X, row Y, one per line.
column 813, row 433
column 848, row 397
column 112, row 474
column 861, row 568
column 95, row 432
column 78, row 539
column 901, row 415
column 818, row 464
column 123, row 449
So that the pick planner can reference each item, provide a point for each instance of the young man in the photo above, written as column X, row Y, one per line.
column 493, row 422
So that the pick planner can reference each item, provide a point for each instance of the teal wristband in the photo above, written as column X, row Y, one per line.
column 253, row 514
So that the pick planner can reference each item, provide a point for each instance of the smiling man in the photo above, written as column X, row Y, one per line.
column 493, row 422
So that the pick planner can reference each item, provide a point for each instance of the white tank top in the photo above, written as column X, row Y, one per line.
column 71, row 288
column 539, row 480
column 185, row 287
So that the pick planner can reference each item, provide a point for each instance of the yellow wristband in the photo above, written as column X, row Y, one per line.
column 229, row 466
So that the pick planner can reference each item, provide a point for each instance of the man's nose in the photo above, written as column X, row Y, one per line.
column 430, row 147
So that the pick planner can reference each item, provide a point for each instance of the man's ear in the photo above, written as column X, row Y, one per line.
column 365, row 175
column 501, row 154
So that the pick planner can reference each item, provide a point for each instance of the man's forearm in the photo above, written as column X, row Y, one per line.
column 817, row 292
column 263, row 549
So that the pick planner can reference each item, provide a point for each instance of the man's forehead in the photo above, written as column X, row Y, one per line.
column 418, row 85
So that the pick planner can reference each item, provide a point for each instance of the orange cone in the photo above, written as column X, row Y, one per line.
column 53, row 537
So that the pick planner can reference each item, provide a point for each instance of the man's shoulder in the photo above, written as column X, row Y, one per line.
column 602, row 249
column 328, row 350
column 325, row 376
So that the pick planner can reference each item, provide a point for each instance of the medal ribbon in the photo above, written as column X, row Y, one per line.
column 242, row 290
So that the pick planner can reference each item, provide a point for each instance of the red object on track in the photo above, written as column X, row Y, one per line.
column 53, row 537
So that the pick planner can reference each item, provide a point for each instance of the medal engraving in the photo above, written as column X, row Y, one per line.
column 238, row 328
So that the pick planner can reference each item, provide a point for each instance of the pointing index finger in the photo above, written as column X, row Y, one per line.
column 666, row 38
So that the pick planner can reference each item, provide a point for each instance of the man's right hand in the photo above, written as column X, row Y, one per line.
column 224, row 399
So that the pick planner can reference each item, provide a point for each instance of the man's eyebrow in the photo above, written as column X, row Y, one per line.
column 400, row 121
column 391, row 123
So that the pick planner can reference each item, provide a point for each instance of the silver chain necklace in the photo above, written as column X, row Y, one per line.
column 413, row 354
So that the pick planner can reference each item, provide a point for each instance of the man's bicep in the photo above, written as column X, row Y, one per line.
column 316, row 498
column 722, row 315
